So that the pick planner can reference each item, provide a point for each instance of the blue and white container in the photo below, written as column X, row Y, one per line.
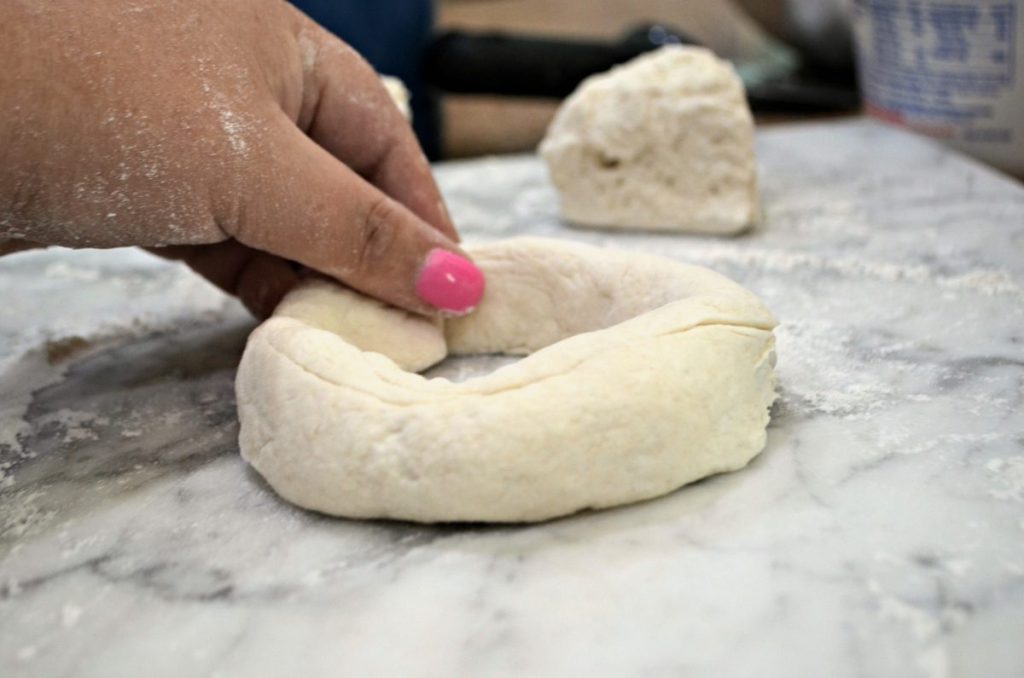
column 953, row 70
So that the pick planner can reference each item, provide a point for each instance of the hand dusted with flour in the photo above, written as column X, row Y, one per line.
column 240, row 127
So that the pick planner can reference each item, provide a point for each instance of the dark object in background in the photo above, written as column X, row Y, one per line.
column 820, row 29
column 392, row 35
column 396, row 37
column 531, row 66
column 528, row 66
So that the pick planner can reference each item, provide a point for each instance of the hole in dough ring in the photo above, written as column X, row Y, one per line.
column 643, row 375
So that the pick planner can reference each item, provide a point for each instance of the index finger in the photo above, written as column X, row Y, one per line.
column 347, row 110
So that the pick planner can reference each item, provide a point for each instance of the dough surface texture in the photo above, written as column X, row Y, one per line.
column 643, row 375
column 664, row 142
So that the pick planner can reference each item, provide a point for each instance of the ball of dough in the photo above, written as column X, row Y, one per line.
column 664, row 142
column 643, row 375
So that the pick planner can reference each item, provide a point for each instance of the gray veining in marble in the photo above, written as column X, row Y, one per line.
column 881, row 533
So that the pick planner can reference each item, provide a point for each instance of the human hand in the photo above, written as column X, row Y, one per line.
column 239, row 137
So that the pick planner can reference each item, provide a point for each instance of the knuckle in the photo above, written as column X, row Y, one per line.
column 378, row 232
column 232, row 216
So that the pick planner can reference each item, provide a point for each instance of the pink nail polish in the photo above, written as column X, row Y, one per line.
column 450, row 282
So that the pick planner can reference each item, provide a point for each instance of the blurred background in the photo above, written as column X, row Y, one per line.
column 743, row 32
column 486, row 76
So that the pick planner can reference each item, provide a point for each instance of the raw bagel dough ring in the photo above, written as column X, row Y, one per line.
column 644, row 375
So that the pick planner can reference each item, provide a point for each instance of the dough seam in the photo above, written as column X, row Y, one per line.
column 452, row 396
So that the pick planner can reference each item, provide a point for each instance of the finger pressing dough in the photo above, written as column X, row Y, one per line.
column 665, row 142
column 643, row 375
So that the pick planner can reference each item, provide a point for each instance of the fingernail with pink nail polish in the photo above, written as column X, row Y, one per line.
column 449, row 282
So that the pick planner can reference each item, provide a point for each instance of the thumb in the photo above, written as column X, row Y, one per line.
column 305, row 205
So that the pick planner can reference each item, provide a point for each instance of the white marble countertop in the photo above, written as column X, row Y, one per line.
column 881, row 533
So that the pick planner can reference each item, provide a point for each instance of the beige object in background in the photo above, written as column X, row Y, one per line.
column 664, row 142
column 645, row 375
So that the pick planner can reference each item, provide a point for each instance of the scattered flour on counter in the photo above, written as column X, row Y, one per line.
column 77, row 545
column 22, row 514
column 22, row 375
column 11, row 587
column 106, row 295
column 958, row 567
column 1010, row 473
column 818, row 368
column 472, row 217
column 934, row 662
column 75, row 425
column 470, row 175
column 532, row 201
column 69, row 615
column 950, row 439
column 927, row 627
column 986, row 282
column 923, row 625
